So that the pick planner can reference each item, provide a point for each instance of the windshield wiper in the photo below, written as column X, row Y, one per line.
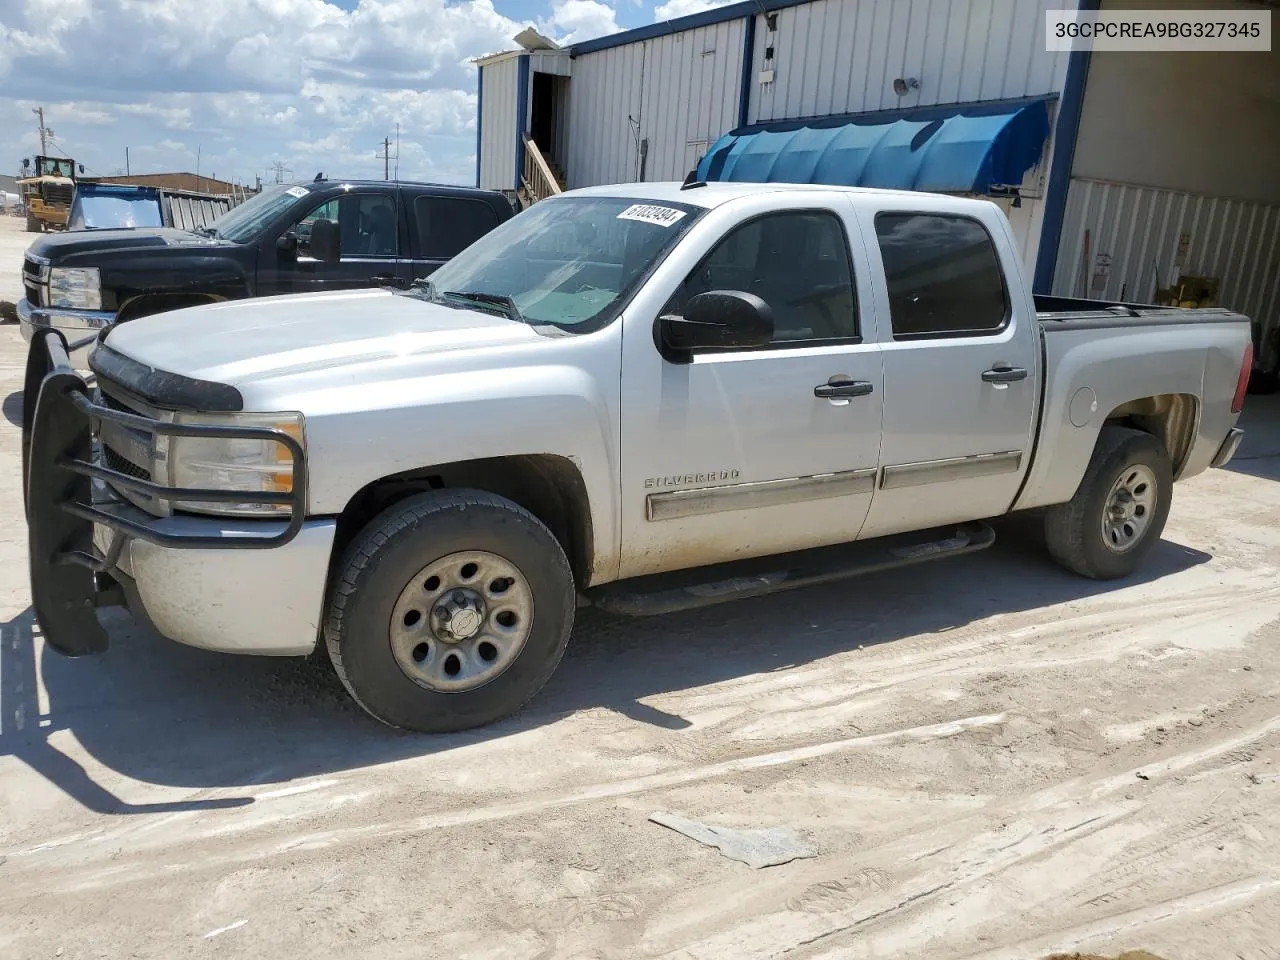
column 489, row 299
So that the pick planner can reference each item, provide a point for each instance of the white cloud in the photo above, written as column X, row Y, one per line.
column 682, row 8
column 573, row 21
column 247, row 82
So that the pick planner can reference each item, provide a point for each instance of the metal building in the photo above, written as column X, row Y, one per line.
column 1147, row 168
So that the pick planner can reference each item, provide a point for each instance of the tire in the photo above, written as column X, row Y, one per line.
column 33, row 224
column 388, row 624
column 1075, row 532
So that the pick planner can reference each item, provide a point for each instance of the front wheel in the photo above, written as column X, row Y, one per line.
column 1119, row 510
column 451, row 610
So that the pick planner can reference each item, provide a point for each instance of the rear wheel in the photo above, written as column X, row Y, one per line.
column 451, row 611
column 1119, row 510
column 33, row 224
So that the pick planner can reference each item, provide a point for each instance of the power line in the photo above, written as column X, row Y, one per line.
column 280, row 170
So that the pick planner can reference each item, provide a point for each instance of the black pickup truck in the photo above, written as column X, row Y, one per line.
column 324, row 235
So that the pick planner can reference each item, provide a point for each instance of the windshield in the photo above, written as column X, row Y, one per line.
column 53, row 167
column 107, row 212
column 571, row 262
column 246, row 221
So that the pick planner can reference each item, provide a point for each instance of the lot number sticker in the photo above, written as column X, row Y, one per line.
column 650, row 213
column 297, row 191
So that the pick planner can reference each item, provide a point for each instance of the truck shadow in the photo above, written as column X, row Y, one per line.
column 154, row 711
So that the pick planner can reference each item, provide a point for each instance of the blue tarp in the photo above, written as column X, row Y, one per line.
column 943, row 150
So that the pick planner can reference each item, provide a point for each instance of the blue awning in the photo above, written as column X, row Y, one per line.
column 960, row 149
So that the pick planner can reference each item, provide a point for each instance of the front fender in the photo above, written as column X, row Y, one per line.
column 361, row 432
column 217, row 276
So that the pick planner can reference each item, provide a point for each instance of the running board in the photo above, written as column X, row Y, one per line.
column 704, row 586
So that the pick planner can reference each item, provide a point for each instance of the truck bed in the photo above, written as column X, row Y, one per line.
column 1103, row 360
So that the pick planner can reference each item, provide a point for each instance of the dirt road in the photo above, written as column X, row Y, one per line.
column 993, row 758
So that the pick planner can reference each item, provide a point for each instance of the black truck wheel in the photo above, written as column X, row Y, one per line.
column 450, row 611
column 1119, row 509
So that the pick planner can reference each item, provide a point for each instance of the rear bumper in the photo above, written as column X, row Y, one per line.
column 80, row 327
column 1228, row 448
column 196, row 577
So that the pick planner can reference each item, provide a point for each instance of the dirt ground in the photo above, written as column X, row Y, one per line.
column 13, row 242
column 993, row 759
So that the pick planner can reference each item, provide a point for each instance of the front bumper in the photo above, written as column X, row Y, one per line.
column 80, row 327
column 196, row 578
column 1228, row 448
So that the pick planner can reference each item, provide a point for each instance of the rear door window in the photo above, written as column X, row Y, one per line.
column 448, row 225
column 943, row 274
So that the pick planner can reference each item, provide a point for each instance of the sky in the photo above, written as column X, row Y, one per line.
column 230, row 88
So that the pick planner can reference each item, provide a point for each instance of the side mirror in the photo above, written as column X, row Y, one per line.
column 719, row 320
column 287, row 242
column 326, row 241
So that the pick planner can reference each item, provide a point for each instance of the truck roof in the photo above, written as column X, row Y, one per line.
column 412, row 184
column 713, row 195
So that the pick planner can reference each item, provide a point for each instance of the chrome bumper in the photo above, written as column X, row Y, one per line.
column 1228, row 448
column 80, row 327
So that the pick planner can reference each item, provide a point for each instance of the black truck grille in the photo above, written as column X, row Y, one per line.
column 31, row 281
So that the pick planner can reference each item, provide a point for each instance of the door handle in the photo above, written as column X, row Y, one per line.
column 1003, row 373
column 843, row 390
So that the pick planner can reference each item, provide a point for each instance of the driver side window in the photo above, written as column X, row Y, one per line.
column 798, row 263
column 367, row 223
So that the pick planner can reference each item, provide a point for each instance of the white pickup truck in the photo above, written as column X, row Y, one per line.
column 646, row 397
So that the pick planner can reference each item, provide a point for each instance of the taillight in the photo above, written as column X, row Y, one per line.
column 1242, row 385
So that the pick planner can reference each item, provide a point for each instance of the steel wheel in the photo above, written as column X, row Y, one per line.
column 1129, row 508
column 461, row 621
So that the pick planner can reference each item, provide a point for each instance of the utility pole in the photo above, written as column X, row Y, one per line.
column 45, row 132
column 385, row 157
column 280, row 170
column 126, row 161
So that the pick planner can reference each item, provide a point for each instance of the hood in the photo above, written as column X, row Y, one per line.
column 245, row 341
column 57, row 247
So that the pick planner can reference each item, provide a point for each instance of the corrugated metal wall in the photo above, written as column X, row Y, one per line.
column 1141, row 228
column 605, row 88
column 682, row 89
column 841, row 56
column 187, row 213
column 498, row 123
column 690, row 95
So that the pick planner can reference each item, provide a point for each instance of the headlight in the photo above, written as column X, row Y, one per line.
column 222, row 463
column 79, row 288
